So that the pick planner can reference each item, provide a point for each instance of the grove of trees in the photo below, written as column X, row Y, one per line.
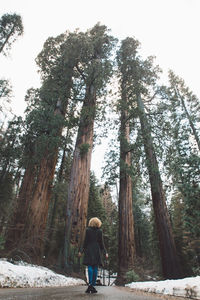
column 93, row 85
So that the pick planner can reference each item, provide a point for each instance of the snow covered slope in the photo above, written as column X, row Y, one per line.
column 187, row 287
column 25, row 275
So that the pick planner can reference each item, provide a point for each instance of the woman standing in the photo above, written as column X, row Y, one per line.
column 93, row 246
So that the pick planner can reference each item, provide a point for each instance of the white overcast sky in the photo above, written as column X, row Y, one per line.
column 168, row 29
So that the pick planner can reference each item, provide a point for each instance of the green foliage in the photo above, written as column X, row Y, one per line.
column 81, row 56
column 84, row 148
column 6, row 198
column 2, row 242
column 5, row 92
column 136, row 75
column 111, row 240
column 10, row 169
column 57, row 210
column 111, row 165
column 49, row 58
column 10, row 28
column 146, row 240
column 11, row 147
column 131, row 276
column 178, row 122
column 5, row 99
column 96, row 65
column 196, row 270
column 43, row 126
column 142, row 227
column 95, row 206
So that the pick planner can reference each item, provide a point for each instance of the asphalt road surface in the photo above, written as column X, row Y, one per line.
column 72, row 293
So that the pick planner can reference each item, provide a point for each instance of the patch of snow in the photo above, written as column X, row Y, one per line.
column 25, row 275
column 187, row 287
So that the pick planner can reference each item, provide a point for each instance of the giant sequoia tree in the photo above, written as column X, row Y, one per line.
column 142, row 78
column 94, row 67
column 126, row 246
column 180, row 119
column 47, row 108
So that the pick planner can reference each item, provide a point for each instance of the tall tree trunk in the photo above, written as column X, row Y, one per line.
column 29, row 222
column 78, row 192
column 38, row 211
column 126, row 243
column 17, row 223
column 170, row 263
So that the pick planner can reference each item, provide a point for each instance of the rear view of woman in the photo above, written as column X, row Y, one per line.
column 93, row 247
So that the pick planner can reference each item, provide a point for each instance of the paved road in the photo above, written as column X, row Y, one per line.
column 72, row 293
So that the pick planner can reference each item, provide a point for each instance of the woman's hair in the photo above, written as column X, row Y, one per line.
column 95, row 222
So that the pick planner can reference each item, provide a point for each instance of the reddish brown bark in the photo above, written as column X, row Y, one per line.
column 38, row 211
column 78, row 192
column 17, row 223
column 29, row 222
column 126, row 243
column 34, row 232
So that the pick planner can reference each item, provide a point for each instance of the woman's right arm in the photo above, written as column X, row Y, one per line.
column 101, row 244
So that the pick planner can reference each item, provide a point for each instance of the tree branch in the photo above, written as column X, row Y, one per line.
column 80, row 71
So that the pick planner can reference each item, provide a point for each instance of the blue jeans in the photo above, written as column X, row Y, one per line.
column 92, row 274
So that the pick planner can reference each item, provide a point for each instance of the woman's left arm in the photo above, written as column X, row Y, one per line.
column 81, row 250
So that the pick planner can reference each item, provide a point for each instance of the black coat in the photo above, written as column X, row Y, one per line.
column 93, row 247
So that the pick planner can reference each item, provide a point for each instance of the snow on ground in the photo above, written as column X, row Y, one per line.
column 187, row 287
column 25, row 275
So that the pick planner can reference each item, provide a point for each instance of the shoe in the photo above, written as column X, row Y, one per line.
column 93, row 290
column 88, row 289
